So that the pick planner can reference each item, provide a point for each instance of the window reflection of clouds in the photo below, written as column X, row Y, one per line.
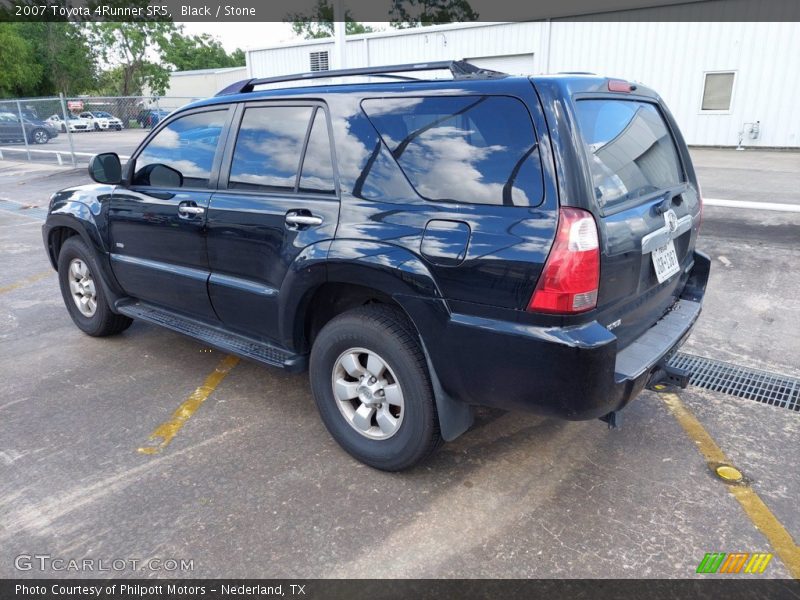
column 269, row 143
column 187, row 145
column 462, row 148
column 317, row 174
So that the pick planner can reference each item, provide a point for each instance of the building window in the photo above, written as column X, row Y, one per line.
column 319, row 60
column 718, row 91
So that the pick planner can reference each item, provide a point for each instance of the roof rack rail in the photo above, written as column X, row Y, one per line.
column 460, row 69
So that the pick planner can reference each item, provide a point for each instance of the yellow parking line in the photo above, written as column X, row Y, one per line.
column 26, row 281
column 758, row 512
column 164, row 433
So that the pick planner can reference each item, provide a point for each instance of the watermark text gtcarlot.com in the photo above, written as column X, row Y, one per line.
column 47, row 562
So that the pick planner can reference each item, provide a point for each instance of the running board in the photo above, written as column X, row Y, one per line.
column 216, row 337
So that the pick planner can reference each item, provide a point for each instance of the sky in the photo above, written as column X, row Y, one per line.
column 249, row 34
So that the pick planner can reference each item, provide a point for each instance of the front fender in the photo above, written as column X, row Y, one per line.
column 82, row 210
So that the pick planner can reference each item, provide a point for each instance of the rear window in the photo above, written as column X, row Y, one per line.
column 474, row 149
column 630, row 150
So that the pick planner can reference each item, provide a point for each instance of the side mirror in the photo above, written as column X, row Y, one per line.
column 105, row 168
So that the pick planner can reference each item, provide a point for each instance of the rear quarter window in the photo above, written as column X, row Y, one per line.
column 472, row 149
column 630, row 150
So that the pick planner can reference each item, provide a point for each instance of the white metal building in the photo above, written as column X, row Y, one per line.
column 719, row 79
column 201, row 83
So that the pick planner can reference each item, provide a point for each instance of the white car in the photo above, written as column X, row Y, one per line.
column 101, row 120
column 76, row 124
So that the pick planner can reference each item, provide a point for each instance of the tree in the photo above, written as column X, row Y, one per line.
column 415, row 13
column 189, row 52
column 136, row 47
column 20, row 73
column 319, row 23
column 61, row 48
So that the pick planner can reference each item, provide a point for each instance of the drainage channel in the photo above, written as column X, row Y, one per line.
column 752, row 384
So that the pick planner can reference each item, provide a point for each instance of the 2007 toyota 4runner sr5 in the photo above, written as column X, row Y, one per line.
column 419, row 245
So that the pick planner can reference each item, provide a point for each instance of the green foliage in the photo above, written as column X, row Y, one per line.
column 319, row 23
column 39, row 58
column 61, row 48
column 415, row 13
column 189, row 52
column 134, row 48
column 19, row 71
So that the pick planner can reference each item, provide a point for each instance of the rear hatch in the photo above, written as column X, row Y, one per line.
column 647, row 207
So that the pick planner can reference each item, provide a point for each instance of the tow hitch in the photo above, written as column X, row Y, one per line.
column 667, row 375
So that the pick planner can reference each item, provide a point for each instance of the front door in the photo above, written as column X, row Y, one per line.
column 158, row 243
column 276, row 196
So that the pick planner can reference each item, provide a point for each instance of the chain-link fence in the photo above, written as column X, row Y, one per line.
column 71, row 130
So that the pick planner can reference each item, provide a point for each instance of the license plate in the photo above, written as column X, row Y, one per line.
column 665, row 260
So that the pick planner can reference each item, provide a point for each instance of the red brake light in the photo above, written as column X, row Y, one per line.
column 618, row 85
column 571, row 276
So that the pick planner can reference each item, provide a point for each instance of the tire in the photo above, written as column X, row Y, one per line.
column 96, row 127
column 77, row 265
column 372, row 334
column 39, row 136
column 63, row 129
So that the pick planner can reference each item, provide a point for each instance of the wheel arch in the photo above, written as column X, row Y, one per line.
column 76, row 219
column 354, row 273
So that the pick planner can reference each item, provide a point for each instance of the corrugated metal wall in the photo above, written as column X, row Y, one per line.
column 671, row 57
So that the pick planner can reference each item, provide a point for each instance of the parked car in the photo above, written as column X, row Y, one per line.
column 150, row 118
column 36, row 132
column 421, row 247
column 76, row 124
column 101, row 120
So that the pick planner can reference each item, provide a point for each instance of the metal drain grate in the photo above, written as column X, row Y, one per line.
column 761, row 386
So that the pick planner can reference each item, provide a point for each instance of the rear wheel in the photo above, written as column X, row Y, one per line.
column 83, row 293
column 371, row 385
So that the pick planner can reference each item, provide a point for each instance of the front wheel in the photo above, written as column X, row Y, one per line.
column 82, row 291
column 40, row 136
column 371, row 385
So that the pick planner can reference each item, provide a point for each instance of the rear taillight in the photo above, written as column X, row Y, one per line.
column 568, row 284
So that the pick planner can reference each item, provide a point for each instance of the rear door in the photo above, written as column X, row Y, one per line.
column 277, row 195
column 647, row 206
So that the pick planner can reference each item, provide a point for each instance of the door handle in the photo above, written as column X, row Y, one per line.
column 191, row 210
column 297, row 219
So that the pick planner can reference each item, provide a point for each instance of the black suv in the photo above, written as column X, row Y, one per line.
column 421, row 246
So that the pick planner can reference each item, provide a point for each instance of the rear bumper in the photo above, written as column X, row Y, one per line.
column 574, row 372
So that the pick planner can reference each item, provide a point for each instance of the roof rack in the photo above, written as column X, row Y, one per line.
column 460, row 69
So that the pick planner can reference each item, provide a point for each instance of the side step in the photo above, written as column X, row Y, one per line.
column 216, row 337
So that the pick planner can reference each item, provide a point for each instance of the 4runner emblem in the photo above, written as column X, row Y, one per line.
column 671, row 219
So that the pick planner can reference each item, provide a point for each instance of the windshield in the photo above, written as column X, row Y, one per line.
column 630, row 149
column 102, row 115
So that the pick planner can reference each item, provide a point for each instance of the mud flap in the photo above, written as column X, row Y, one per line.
column 455, row 417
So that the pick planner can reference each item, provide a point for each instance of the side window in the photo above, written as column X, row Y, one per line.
column 317, row 173
column 181, row 154
column 266, row 157
column 474, row 149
